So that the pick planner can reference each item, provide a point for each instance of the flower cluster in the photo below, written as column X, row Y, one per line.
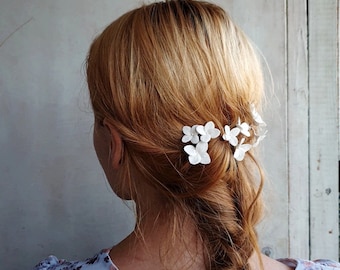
column 199, row 137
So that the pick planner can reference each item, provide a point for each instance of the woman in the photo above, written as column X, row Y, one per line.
column 175, row 87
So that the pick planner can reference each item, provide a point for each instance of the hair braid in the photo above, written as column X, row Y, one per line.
column 225, row 217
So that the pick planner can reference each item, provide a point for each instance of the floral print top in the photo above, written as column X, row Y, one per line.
column 311, row 265
column 102, row 261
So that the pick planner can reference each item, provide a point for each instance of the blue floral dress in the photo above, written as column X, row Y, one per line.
column 102, row 261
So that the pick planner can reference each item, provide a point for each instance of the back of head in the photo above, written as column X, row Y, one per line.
column 183, row 63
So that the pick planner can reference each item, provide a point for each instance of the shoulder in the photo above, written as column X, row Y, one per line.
column 100, row 261
column 311, row 265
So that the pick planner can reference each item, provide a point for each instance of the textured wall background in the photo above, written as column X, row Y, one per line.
column 53, row 193
column 54, row 196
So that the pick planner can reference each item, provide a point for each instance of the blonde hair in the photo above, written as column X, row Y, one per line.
column 175, row 63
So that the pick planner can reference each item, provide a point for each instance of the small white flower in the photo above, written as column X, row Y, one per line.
column 200, row 135
column 231, row 135
column 190, row 134
column 198, row 154
column 244, row 127
column 241, row 150
column 257, row 118
column 208, row 131
column 260, row 138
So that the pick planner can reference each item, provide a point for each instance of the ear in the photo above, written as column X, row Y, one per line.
column 116, row 147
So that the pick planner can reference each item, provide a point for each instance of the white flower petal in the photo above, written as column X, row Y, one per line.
column 200, row 129
column 190, row 150
column 233, row 141
column 186, row 130
column 205, row 158
column 226, row 129
column 195, row 139
column 198, row 154
column 245, row 147
column 206, row 138
column 241, row 149
column 202, row 147
column 214, row 133
column 239, row 155
column 209, row 125
column 244, row 128
column 257, row 118
column 194, row 160
column 259, row 139
column 226, row 135
column 186, row 138
column 230, row 135
column 235, row 131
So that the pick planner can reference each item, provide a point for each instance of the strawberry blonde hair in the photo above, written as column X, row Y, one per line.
column 170, row 64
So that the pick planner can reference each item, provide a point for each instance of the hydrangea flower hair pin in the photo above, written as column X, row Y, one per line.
column 190, row 134
column 230, row 135
column 198, row 154
column 208, row 131
column 244, row 127
column 200, row 135
column 259, row 138
column 260, row 130
column 241, row 150
column 257, row 118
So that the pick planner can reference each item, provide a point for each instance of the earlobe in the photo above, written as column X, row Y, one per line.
column 116, row 146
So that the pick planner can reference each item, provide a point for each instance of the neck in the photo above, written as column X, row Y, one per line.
column 156, row 242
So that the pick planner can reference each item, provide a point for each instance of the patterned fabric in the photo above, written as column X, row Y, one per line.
column 102, row 261
column 311, row 265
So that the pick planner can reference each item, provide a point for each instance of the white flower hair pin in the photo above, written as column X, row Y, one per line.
column 200, row 135
column 230, row 135
column 198, row 154
column 241, row 150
